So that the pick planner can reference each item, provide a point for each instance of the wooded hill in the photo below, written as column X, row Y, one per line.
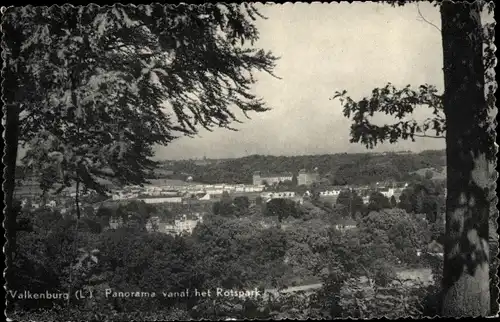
column 340, row 169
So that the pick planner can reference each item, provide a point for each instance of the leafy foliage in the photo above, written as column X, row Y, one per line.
column 351, row 202
column 424, row 197
column 378, row 202
column 229, row 252
column 225, row 207
column 398, row 103
column 237, row 253
column 242, row 203
column 401, row 103
column 94, row 71
column 282, row 208
column 48, row 251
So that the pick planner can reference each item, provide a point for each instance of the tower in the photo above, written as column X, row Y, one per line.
column 256, row 179
column 305, row 178
column 302, row 178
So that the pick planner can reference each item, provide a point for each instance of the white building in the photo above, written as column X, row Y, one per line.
column 388, row 193
column 181, row 226
column 205, row 197
column 329, row 193
column 346, row 224
column 214, row 191
column 271, row 179
column 278, row 195
column 161, row 200
column 124, row 195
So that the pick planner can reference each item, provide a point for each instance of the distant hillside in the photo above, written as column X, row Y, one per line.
column 361, row 168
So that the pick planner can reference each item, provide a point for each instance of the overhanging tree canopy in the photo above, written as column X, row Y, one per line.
column 401, row 103
column 105, row 84
column 92, row 89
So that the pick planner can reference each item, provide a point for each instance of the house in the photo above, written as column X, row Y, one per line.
column 345, row 224
column 161, row 200
column 204, row 197
column 307, row 178
column 388, row 193
column 329, row 193
column 257, row 188
column 278, row 195
column 270, row 179
column 215, row 191
column 170, row 193
column 179, row 226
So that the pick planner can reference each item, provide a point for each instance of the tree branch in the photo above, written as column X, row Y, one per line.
column 423, row 18
column 430, row 136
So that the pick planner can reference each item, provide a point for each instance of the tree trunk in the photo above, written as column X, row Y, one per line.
column 9, row 159
column 75, row 242
column 12, row 95
column 77, row 198
column 465, row 274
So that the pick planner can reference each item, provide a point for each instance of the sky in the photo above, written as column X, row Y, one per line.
column 324, row 48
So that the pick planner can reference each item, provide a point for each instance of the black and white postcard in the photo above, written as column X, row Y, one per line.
column 249, row 161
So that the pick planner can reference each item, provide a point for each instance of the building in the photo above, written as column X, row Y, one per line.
column 161, row 200
column 329, row 193
column 270, row 179
column 392, row 192
column 115, row 222
column 276, row 195
column 204, row 197
column 307, row 178
column 268, row 196
column 388, row 192
column 345, row 224
column 179, row 226
column 119, row 196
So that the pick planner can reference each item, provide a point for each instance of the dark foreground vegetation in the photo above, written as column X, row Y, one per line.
column 242, row 247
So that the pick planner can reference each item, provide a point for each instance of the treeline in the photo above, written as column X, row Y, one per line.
column 340, row 169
